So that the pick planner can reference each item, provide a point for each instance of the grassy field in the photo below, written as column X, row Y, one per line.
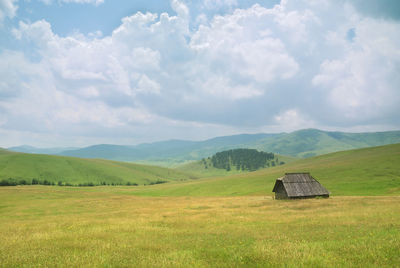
column 78, row 170
column 369, row 171
column 50, row 226
column 229, row 221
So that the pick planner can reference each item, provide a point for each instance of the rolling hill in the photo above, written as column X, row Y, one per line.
column 312, row 142
column 35, row 150
column 368, row 171
column 302, row 143
column 165, row 152
column 75, row 170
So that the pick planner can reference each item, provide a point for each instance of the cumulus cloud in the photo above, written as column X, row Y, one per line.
column 13, row 72
column 287, row 67
column 361, row 84
column 8, row 8
column 291, row 119
column 245, row 45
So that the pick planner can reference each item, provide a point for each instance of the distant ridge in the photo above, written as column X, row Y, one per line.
column 172, row 151
column 312, row 142
column 302, row 143
column 35, row 150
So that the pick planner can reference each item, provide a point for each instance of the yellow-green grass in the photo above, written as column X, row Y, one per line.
column 78, row 170
column 369, row 171
column 49, row 226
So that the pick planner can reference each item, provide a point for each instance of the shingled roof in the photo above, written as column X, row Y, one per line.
column 299, row 185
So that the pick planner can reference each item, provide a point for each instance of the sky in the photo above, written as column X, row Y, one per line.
column 84, row 72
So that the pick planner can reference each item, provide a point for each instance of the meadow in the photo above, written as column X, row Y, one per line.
column 363, row 172
column 75, row 171
column 50, row 226
column 228, row 221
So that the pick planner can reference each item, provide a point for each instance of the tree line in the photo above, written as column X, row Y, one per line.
column 243, row 159
column 34, row 181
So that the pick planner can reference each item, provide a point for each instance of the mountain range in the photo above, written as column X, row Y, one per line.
column 34, row 150
column 302, row 143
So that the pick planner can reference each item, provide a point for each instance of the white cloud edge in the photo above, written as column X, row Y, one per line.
column 236, row 93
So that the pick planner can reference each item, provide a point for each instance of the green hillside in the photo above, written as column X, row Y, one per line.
column 75, row 170
column 302, row 143
column 312, row 142
column 201, row 170
column 369, row 171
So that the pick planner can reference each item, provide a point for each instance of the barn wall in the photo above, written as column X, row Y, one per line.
column 280, row 192
column 280, row 195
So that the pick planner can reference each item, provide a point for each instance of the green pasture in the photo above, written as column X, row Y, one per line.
column 369, row 171
column 78, row 170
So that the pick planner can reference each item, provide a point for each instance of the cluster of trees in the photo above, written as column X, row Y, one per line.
column 243, row 159
column 157, row 182
column 15, row 182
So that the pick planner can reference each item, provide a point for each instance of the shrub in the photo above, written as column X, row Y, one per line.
column 4, row 182
column 157, row 182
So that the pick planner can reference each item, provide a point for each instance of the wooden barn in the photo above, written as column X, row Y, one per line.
column 298, row 185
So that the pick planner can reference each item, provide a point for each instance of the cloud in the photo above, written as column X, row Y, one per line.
column 245, row 45
column 146, row 85
column 362, row 83
column 39, row 33
column 292, row 119
column 251, row 69
column 8, row 8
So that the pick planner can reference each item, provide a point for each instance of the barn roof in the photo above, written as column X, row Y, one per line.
column 301, row 184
